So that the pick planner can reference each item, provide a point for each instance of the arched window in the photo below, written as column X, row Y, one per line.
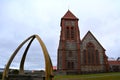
column 70, row 54
column 84, row 57
column 97, row 57
column 90, row 53
column 70, row 65
column 72, row 33
column 67, row 33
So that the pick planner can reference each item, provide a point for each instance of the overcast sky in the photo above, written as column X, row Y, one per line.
column 20, row 19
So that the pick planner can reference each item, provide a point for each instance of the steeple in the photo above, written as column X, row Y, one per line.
column 69, row 44
column 69, row 27
column 69, row 15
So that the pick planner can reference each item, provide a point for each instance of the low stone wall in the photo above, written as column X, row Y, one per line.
column 25, row 77
column 36, row 75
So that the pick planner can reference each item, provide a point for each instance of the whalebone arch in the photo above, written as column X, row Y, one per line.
column 48, row 63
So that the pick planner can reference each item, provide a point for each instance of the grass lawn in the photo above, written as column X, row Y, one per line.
column 101, row 76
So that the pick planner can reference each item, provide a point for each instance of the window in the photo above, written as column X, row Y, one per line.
column 70, row 65
column 67, row 23
column 97, row 57
column 84, row 57
column 90, row 53
column 67, row 33
column 72, row 32
column 70, row 54
column 73, row 23
column 70, row 23
column 70, row 29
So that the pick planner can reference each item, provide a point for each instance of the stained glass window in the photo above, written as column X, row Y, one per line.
column 90, row 53
column 97, row 57
column 84, row 57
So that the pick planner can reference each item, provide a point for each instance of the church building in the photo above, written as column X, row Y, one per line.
column 76, row 55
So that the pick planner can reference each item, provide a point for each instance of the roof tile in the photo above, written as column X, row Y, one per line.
column 69, row 15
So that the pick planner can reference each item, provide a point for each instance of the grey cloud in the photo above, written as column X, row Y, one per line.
column 20, row 19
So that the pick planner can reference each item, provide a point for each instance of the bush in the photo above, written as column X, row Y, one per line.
column 0, row 75
column 14, row 71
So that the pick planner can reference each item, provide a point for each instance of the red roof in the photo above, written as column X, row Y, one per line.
column 114, row 62
column 54, row 67
column 69, row 15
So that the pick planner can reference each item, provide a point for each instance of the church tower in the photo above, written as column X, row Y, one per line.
column 69, row 45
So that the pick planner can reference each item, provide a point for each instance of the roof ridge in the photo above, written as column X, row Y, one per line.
column 69, row 15
column 89, row 32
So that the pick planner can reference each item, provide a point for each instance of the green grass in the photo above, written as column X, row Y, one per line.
column 101, row 76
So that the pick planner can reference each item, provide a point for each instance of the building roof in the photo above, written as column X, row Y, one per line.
column 69, row 15
column 93, row 37
column 118, row 59
column 54, row 67
column 114, row 62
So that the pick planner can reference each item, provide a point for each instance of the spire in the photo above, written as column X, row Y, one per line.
column 69, row 15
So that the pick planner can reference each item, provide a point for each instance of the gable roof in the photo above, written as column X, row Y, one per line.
column 69, row 15
column 93, row 37
column 118, row 59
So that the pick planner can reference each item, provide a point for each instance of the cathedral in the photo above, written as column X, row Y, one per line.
column 76, row 55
